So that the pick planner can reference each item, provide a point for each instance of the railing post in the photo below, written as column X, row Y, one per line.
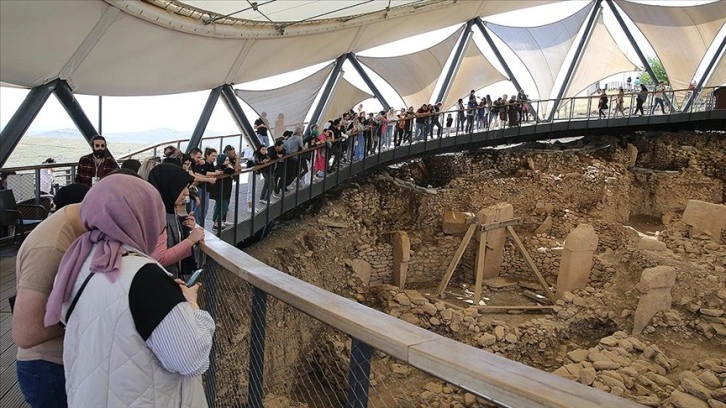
column 359, row 374
column 257, row 348
column 37, row 187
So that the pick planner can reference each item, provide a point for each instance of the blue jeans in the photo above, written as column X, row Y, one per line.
column 200, row 212
column 265, row 140
column 43, row 383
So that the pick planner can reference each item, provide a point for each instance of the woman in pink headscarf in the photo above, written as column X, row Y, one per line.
column 134, row 336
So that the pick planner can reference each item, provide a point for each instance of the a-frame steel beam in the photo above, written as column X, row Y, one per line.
column 500, row 58
column 203, row 121
column 327, row 91
column 235, row 109
column 363, row 74
column 576, row 58
column 446, row 85
column 23, row 117
column 65, row 96
column 705, row 75
column 632, row 41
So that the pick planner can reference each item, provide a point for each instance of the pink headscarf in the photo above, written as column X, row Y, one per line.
column 119, row 209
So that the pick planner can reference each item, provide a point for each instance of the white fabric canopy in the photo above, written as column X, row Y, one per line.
column 345, row 96
column 414, row 76
column 719, row 73
column 601, row 58
column 286, row 106
column 680, row 36
column 543, row 49
column 475, row 72
column 117, row 47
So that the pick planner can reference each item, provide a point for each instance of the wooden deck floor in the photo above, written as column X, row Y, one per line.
column 10, row 395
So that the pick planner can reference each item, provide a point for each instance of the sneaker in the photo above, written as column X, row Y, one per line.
column 275, row 196
column 227, row 224
column 263, row 201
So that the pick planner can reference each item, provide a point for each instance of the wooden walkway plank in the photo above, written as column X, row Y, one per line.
column 10, row 394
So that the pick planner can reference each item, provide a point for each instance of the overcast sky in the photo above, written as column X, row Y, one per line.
column 181, row 111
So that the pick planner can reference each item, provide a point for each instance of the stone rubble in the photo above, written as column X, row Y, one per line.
column 679, row 359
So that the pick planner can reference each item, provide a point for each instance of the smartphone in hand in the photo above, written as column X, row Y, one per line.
column 195, row 276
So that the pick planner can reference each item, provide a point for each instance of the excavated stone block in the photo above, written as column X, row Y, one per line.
column 582, row 238
column 454, row 223
column 705, row 217
column 650, row 304
column 651, row 244
column 657, row 277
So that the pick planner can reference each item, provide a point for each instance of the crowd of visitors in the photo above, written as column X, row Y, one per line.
column 100, row 284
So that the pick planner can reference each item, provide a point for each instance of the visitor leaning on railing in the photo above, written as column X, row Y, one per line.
column 117, row 302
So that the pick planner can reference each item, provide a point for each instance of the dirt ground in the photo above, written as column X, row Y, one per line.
column 625, row 186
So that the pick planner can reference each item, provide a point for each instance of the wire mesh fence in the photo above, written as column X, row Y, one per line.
column 267, row 353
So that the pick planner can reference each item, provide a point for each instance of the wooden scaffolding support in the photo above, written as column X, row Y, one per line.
column 482, row 230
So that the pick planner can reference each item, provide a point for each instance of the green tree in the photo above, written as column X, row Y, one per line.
column 658, row 69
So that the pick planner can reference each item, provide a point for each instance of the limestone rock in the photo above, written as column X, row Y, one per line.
column 650, row 244
column 545, row 227
column 454, row 223
column 719, row 394
column 578, row 355
column 658, row 277
column 655, row 284
column 486, row 340
column 648, row 401
column 587, row 375
column 708, row 378
column 696, row 389
column 683, row 400
column 703, row 216
column 582, row 238
column 362, row 269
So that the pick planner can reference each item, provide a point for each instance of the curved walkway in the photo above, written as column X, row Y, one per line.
column 247, row 226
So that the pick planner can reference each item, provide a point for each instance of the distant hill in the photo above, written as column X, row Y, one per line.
column 67, row 145
column 145, row 137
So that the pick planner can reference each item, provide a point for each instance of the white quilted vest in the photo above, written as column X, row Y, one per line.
column 107, row 363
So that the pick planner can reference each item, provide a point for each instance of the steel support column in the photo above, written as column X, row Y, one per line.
column 22, row 118
column 359, row 373
column 235, row 109
column 327, row 91
column 705, row 75
column 100, row 114
column 363, row 74
column 203, row 121
column 500, row 58
column 576, row 58
column 446, row 85
column 65, row 96
column 641, row 56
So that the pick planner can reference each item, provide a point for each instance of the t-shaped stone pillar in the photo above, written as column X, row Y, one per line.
column 495, row 238
column 401, row 256
column 655, row 285
column 576, row 262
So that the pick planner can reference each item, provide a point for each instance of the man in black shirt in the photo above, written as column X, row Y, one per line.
column 261, row 129
column 278, row 152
